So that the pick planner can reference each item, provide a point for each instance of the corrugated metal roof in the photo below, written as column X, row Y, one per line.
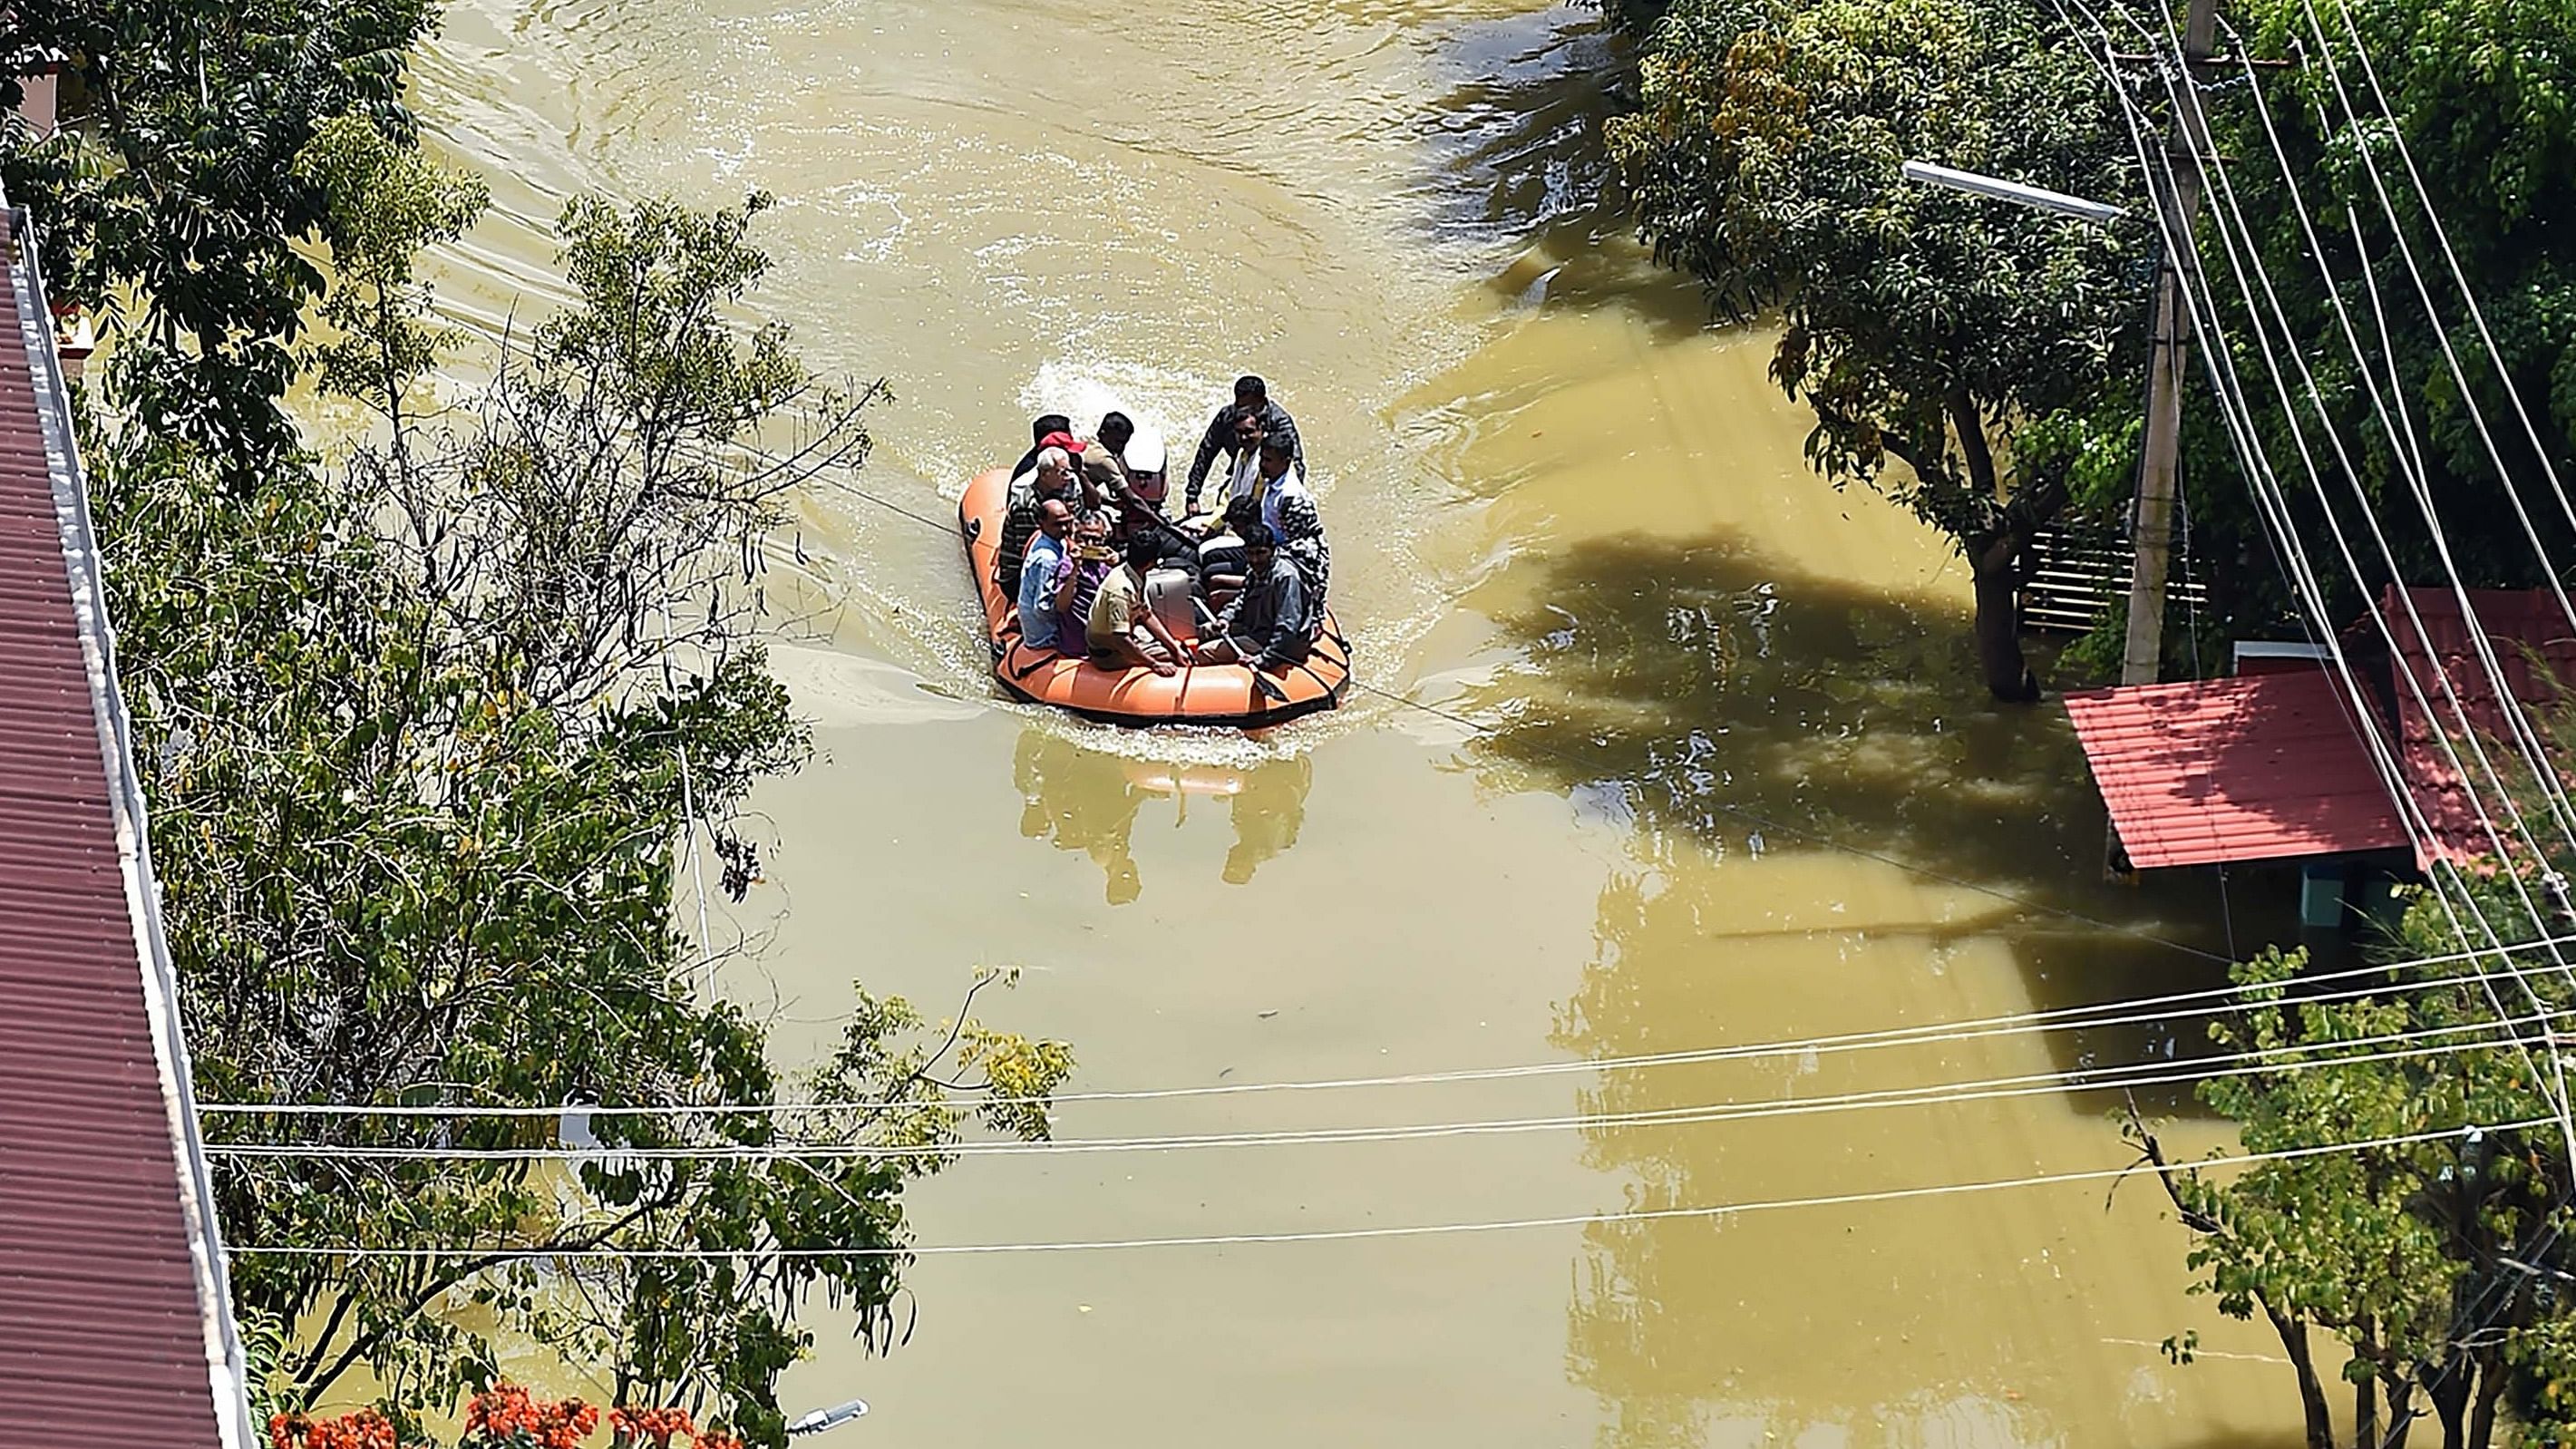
column 2534, row 646
column 113, row 1324
column 2262, row 767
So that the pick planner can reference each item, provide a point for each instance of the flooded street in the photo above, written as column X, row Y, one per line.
column 1694, row 714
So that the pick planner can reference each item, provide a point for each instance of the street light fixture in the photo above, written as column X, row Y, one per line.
column 832, row 1418
column 2101, row 213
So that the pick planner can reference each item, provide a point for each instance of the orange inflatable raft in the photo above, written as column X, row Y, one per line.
column 1212, row 694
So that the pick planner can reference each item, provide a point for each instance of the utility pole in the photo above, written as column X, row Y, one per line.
column 2151, row 522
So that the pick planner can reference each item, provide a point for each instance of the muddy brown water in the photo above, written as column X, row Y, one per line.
column 1565, row 511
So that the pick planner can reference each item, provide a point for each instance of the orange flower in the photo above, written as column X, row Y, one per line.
column 507, row 1414
column 365, row 1429
column 655, row 1426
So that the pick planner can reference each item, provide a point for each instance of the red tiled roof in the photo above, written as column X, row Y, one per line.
column 2535, row 647
column 113, row 1327
column 2262, row 767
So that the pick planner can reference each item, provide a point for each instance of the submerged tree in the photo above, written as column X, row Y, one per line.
column 1987, row 349
column 425, row 735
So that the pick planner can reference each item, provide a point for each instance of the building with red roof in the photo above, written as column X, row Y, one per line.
column 2314, row 760
column 115, row 1320
column 2259, row 767
column 2444, row 698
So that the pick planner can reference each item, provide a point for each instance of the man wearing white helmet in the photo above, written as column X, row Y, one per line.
column 1145, row 461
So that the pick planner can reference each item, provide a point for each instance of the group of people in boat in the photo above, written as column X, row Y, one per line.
column 1100, row 570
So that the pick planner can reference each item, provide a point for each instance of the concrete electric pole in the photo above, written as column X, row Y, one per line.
column 2151, row 522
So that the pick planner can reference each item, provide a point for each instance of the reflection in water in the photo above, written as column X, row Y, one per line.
column 1087, row 800
column 1267, row 811
column 1514, row 146
column 1082, row 801
column 1707, row 690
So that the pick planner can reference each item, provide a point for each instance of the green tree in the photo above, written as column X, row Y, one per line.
column 2438, row 1264
column 176, row 194
column 425, row 735
column 1989, row 350
column 2481, row 94
column 382, row 203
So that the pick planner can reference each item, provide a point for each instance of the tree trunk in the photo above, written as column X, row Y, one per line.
column 2312, row 1394
column 2401, row 1414
column 2365, row 1414
column 1993, row 562
column 2449, row 1391
column 2491, row 1377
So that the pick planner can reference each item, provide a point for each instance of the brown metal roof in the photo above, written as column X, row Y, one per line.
column 2260, row 767
column 113, row 1322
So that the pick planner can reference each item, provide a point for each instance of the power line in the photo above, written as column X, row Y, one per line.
column 2239, row 266
column 2441, row 234
column 846, row 486
column 2127, row 1012
column 2306, row 1057
column 2524, row 738
column 2273, row 504
column 2271, row 499
column 1720, row 1210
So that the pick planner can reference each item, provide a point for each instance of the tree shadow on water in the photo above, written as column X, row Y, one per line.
column 1734, row 714
column 1729, row 706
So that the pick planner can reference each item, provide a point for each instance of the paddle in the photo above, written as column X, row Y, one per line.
column 1261, row 683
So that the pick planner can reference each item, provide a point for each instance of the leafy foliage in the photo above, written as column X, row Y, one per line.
column 2436, row 1263
column 1987, row 349
column 178, row 194
column 382, row 202
column 423, row 736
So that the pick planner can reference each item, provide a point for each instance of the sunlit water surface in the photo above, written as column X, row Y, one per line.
column 1563, row 509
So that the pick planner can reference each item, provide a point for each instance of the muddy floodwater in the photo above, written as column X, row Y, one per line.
column 1694, row 716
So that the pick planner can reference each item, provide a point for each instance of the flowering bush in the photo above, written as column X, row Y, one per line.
column 506, row 1416
column 365, row 1429
column 658, row 1427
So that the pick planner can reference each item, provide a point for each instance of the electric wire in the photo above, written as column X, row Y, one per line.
column 2273, row 505
column 1412, row 1230
column 2281, row 1060
column 2239, row 266
column 2250, row 262
column 2418, row 475
column 2410, row 468
column 2442, row 235
column 2124, row 1012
